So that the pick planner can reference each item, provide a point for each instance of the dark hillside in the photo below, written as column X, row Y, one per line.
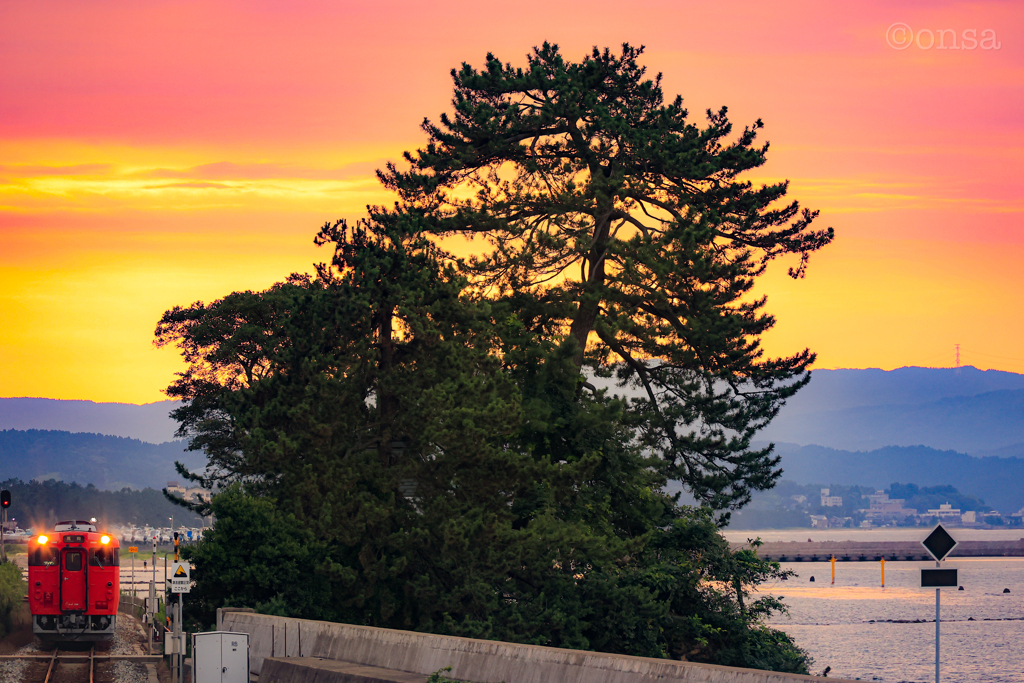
column 998, row 481
column 993, row 421
column 107, row 462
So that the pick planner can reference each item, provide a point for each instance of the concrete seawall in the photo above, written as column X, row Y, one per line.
column 483, row 661
column 872, row 551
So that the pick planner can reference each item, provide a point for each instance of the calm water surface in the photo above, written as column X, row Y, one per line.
column 853, row 626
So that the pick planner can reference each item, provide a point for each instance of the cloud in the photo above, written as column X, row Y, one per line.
column 228, row 170
column 194, row 186
column 32, row 171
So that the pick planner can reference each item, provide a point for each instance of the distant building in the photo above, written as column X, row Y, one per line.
column 819, row 522
column 192, row 495
column 945, row 511
column 197, row 494
column 828, row 501
column 884, row 509
column 877, row 497
column 800, row 500
column 969, row 517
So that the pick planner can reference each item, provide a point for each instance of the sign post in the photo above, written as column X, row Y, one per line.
column 181, row 583
column 133, row 549
column 938, row 544
column 5, row 502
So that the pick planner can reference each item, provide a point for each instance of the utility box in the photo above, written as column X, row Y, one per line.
column 220, row 657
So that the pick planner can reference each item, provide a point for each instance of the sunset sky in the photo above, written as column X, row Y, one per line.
column 158, row 153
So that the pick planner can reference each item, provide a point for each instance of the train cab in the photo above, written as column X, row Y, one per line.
column 74, row 583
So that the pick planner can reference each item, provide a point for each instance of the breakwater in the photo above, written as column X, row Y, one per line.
column 872, row 551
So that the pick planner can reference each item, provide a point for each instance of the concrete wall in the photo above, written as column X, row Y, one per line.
column 483, row 661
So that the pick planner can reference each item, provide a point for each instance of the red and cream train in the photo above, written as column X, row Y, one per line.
column 74, row 583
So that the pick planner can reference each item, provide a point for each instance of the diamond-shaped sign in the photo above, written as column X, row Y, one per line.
column 939, row 543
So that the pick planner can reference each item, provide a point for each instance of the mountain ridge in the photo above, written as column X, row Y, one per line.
column 108, row 462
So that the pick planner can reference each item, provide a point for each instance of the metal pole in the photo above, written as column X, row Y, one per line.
column 181, row 641
column 151, row 616
column 3, row 543
column 937, row 631
column 170, row 642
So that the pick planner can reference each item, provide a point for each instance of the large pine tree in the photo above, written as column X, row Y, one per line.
column 634, row 229
column 432, row 428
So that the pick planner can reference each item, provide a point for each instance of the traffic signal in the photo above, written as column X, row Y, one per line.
column 5, row 498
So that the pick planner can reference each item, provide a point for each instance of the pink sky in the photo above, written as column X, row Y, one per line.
column 153, row 154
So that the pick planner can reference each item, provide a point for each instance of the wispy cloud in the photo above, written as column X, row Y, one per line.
column 193, row 186
column 35, row 171
column 228, row 170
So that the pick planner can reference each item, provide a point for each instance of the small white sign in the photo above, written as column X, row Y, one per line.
column 181, row 581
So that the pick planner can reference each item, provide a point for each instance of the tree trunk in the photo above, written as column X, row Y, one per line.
column 590, row 300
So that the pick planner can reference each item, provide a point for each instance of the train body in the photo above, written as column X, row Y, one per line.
column 74, row 583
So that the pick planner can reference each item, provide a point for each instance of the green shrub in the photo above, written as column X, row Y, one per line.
column 12, row 594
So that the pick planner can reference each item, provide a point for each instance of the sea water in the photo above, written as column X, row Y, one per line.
column 862, row 630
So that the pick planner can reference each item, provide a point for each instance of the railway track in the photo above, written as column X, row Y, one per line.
column 65, row 665
column 62, row 666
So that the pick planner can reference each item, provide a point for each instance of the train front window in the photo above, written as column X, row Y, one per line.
column 44, row 556
column 73, row 562
column 103, row 557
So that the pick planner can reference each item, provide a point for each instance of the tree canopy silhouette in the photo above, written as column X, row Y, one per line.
column 436, row 429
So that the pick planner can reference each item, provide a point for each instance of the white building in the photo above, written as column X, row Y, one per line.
column 945, row 511
column 819, row 522
column 828, row 501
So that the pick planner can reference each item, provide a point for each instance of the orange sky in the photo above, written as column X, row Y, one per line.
column 156, row 153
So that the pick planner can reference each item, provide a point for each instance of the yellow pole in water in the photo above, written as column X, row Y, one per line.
column 883, row 572
column 833, row 570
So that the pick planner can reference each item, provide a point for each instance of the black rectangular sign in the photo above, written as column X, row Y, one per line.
column 938, row 578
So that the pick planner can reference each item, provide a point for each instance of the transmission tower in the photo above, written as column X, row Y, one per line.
column 957, row 371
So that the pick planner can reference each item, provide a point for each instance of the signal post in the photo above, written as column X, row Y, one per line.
column 5, row 502
column 181, row 583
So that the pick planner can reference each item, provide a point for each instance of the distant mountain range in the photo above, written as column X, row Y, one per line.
column 980, row 412
column 108, row 462
column 912, row 424
column 967, row 410
column 149, row 422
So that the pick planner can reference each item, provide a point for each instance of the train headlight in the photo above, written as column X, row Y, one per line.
column 42, row 540
column 104, row 539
